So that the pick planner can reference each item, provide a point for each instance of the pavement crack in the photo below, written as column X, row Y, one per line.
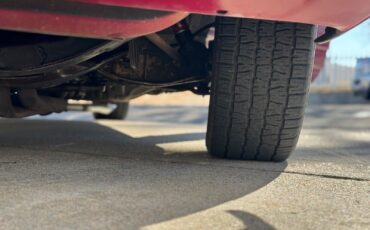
column 327, row 176
column 8, row 162
column 265, row 170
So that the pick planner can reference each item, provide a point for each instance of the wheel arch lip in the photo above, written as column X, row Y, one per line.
column 339, row 14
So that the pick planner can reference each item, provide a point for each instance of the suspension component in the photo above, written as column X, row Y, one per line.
column 194, row 54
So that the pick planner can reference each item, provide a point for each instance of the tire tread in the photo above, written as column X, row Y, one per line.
column 260, row 86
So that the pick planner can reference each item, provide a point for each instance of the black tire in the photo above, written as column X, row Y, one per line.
column 367, row 97
column 118, row 113
column 261, row 76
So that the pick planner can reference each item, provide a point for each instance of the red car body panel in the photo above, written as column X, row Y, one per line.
column 340, row 14
column 320, row 55
column 82, row 26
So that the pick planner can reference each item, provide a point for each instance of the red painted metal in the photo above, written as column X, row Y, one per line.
column 320, row 55
column 340, row 14
column 82, row 26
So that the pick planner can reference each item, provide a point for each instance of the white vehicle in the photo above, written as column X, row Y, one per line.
column 361, row 83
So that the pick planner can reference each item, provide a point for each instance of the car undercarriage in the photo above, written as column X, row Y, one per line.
column 39, row 73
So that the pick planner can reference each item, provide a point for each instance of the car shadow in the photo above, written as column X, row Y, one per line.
column 128, row 181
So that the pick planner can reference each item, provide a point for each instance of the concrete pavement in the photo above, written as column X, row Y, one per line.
column 152, row 172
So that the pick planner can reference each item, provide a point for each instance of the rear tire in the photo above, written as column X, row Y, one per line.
column 261, row 76
column 118, row 113
column 367, row 97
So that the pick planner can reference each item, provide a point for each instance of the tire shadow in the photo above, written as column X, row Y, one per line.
column 251, row 221
column 92, row 175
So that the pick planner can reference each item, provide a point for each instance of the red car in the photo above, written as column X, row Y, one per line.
column 256, row 65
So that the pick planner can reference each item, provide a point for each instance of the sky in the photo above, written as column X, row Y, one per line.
column 354, row 43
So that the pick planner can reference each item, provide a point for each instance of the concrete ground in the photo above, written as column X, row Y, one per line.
column 152, row 172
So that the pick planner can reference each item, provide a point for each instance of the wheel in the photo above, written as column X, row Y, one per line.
column 119, row 113
column 261, row 75
column 367, row 96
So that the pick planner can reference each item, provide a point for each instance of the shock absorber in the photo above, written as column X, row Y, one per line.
column 193, row 53
column 182, row 32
